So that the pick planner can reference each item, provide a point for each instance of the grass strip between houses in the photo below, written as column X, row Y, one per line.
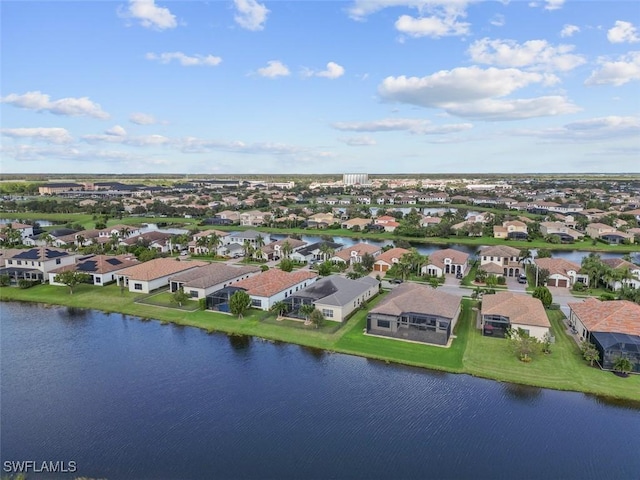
column 470, row 352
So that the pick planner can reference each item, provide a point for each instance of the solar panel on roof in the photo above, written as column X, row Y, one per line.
column 113, row 261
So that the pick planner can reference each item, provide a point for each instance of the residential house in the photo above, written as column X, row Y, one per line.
column 608, row 233
column 335, row 296
column 26, row 231
column 154, row 274
column 35, row 263
column 560, row 229
column 230, row 215
column 360, row 223
column 200, row 282
column 282, row 248
column 507, row 310
column 512, row 229
column 320, row 220
column 621, row 267
column 562, row 273
column 254, row 218
column 102, row 269
column 387, row 222
column 160, row 241
column 354, row 253
column 316, row 251
column 253, row 237
column 417, row 313
column 501, row 260
column 446, row 261
column 198, row 246
column 265, row 289
column 388, row 259
column 613, row 327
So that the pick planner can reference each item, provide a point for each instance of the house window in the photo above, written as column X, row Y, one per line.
column 19, row 262
column 137, row 286
column 193, row 293
column 327, row 313
column 384, row 324
column 255, row 302
column 97, row 279
column 58, row 261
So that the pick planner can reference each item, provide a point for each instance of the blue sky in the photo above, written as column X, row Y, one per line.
column 387, row 86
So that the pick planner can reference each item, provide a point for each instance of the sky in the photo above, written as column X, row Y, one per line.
column 317, row 87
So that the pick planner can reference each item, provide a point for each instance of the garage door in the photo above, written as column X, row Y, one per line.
column 551, row 282
column 562, row 283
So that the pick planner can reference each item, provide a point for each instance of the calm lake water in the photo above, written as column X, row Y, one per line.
column 127, row 399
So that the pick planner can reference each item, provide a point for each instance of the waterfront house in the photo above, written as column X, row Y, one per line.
column 562, row 273
column 315, row 251
column 36, row 263
column 335, row 296
column 628, row 274
column 417, row 313
column 504, row 310
column 514, row 230
column 613, row 327
column 154, row 274
column 446, row 261
column 265, row 288
column 388, row 259
column 354, row 253
column 560, row 229
column 202, row 281
column 253, row 237
column 26, row 231
column 198, row 246
column 102, row 269
column 608, row 234
column 501, row 260
column 360, row 223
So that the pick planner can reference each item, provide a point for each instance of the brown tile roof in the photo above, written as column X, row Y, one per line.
column 273, row 281
column 159, row 267
column 457, row 257
column 213, row 274
column 389, row 255
column 620, row 263
column 360, row 248
column 206, row 233
column 415, row 298
column 557, row 266
column 15, row 225
column 519, row 308
column 100, row 264
column 499, row 251
column 492, row 268
column 618, row 316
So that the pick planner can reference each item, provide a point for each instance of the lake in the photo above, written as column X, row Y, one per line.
column 124, row 398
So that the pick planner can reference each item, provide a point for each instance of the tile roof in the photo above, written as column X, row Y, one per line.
column 159, row 267
column 100, row 264
column 457, row 257
column 499, row 251
column 273, row 281
column 619, row 263
column 415, row 298
column 521, row 309
column 389, row 255
column 336, row 290
column 213, row 274
column 557, row 266
column 359, row 248
column 618, row 316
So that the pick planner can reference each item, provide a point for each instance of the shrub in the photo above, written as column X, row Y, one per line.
column 579, row 287
column 22, row 283
column 5, row 280
column 502, row 280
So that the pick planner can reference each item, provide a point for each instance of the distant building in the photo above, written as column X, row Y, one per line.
column 355, row 179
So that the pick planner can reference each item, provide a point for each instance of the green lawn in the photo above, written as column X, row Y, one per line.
column 563, row 369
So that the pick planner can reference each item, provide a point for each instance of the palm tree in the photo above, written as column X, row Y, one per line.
column 326, row 251
column 259, row 241
column 403, row 267
column 12, row 236
column 247, row 249
column 623, row 365
column 201, row 242
column 212, row 243
column 280, row 308
column 286, row 249
column 124, row 232
column 80, row 240
column 306, row 310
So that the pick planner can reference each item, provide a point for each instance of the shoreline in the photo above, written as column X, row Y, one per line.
column 348, row 339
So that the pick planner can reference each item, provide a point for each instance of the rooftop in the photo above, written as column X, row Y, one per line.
column 519, row 308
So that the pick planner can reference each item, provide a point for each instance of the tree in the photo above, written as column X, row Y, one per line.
column 316, row 318
column 523, row 344
column 286, row 265
column 434, row 282
column 353, row 275
column 544, row 295
column 239, row 303
column 11, row 235
column 179, row 297
column 306, row 310
column 286, row 249
column 623, row 365
column 367, row 262
column 326, row 251
column 589, row 352
column 280, row 308
column 544, row 253
column 542, row 276
column 71, row 278
column 324, row 269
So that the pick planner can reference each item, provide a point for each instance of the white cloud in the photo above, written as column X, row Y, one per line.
column 412, row 125
column 363, row 8
column 623, row 32
column 48, row 135
column 619, row 72
column 274, row 69
column 149, row 14
column 185, row 60
column 332, row 71
column 536, row 54
column 142, row 118
column 474, row 92
column 362, row 141
column 433, row 26
column 70, row 106
column 553, row 4
column 133, row 141
column 568, row 30
column 251, row 14
column 594, row 129
column 116, row 130
column 498, row 20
